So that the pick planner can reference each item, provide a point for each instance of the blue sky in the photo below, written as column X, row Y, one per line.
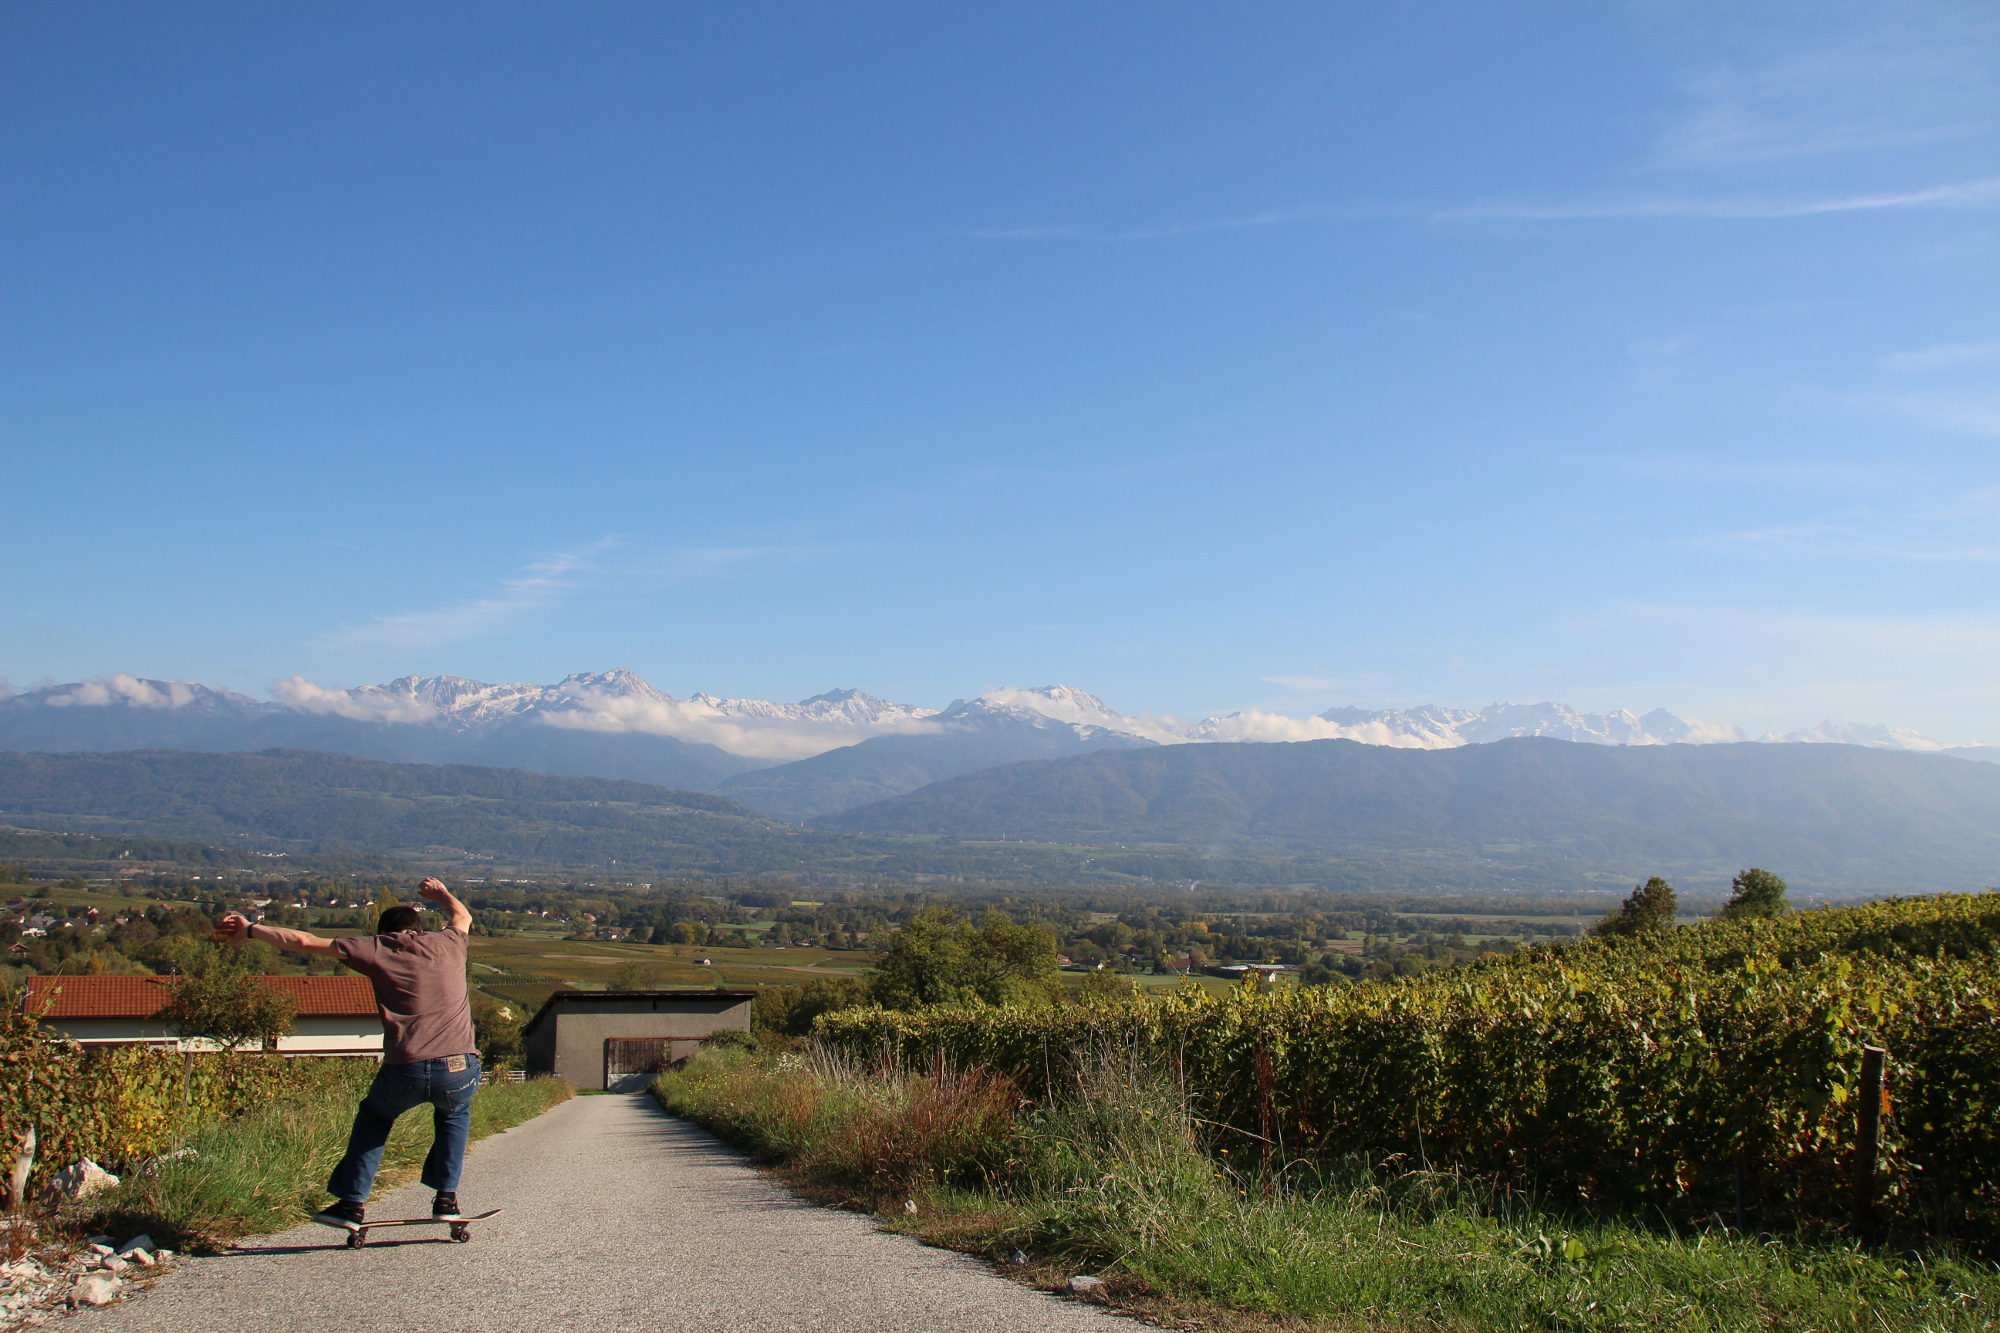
column 1200, row 356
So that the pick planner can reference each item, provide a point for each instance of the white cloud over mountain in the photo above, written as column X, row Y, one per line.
column 620, row 702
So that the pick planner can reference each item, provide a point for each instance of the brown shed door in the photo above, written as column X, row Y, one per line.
column 632, row 1055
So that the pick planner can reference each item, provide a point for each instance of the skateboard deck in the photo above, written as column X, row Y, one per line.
column 461, row 1227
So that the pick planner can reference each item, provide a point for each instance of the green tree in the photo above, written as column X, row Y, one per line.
column 384, row 900
column 496, row 1029
column 938, row 958
column 1755, row 893
column 1319, row 973
column 929, row 962
column 1649, row 910
column 1014, row 963
column 791, row 1009
column 1102, row 986
column 222, row 1001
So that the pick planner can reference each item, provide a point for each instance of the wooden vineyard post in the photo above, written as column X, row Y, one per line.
column 1867, row 1146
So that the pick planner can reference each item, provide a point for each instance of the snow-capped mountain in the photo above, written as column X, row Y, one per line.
column 1434, row 728
column 614, row 702
column 615, row 724
column 1872, row 735
column 1428, row 728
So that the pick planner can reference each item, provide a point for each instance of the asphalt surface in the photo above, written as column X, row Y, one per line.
column 617, row 1217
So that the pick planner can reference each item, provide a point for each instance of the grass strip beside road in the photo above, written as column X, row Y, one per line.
column 1109, row 1175
column 266, row 1170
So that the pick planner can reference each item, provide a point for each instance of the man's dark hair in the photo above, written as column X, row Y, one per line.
column 400, row 917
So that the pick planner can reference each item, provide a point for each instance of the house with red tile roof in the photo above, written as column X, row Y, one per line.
column 336, row 1015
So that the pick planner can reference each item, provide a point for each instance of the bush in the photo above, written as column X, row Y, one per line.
column 120, row 1105
column 792, row 1010
column 871, row 1135
column 729, row 1039
column 1107, row 1173
column 1640, row 1072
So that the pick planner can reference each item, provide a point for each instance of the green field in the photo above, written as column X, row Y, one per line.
column 527, row 969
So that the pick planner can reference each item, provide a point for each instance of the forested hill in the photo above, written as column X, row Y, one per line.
column 327, row 809
column 1838, row 816
column 313, row 802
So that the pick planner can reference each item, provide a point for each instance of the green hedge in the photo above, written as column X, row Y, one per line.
column 1648, row 1071
column 123, row 1104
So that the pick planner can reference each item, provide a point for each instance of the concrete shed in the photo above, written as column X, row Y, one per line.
column 618, row 1040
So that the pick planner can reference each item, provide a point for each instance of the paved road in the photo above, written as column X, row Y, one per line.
column 618, row 1218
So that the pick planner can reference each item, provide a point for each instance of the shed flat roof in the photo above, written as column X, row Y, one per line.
column 600, row 996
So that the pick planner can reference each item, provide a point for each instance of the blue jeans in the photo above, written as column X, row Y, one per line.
column 399, row 1088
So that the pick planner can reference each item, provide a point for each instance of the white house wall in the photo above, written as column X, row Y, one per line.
column 309, row 1036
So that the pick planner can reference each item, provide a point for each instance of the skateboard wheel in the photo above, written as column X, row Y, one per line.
column 461, row 1233
column 356, row 1239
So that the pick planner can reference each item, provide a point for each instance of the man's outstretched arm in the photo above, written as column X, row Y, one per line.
column 435, row 891
column 236, row 929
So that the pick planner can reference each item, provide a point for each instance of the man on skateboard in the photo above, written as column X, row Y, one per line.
column 428, row 1050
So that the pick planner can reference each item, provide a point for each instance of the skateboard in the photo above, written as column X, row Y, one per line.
column 461, row 1227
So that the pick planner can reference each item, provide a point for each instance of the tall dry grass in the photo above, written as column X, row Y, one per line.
column 266, row 1170
column 876, row 1134
column 1111, row 1172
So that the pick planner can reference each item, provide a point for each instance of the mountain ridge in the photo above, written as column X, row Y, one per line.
column 1850, row 816
column 1525, row 815
column 832, row 751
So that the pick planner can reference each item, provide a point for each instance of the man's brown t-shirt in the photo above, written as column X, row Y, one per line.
column 419, row 980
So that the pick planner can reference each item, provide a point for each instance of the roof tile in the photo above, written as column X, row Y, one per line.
column 142, row 997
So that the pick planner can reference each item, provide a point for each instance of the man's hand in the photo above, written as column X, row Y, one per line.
column 460, row 919
column 234, row 929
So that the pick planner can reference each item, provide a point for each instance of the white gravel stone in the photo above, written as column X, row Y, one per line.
column 139, row 1242
column 1083, row 1284
column 80, row 1180
column 95, row 1291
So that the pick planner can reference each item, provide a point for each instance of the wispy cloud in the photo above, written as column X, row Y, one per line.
column 1963, row 530
column 1878, row 80
column 1981, row 193
column 538, row 584
column 548, row 580
column 1274, row 217
column 1814, row 636
column 1954, row 386
column 701, row 562
column 1894, row 77
column 1791, row 475
column 1963, row 413
column 367, row 704
column 1935, row 360
column 125, row 689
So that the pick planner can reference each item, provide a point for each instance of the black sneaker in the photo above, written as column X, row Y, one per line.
column 444, row 1208
column 345, row 1214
